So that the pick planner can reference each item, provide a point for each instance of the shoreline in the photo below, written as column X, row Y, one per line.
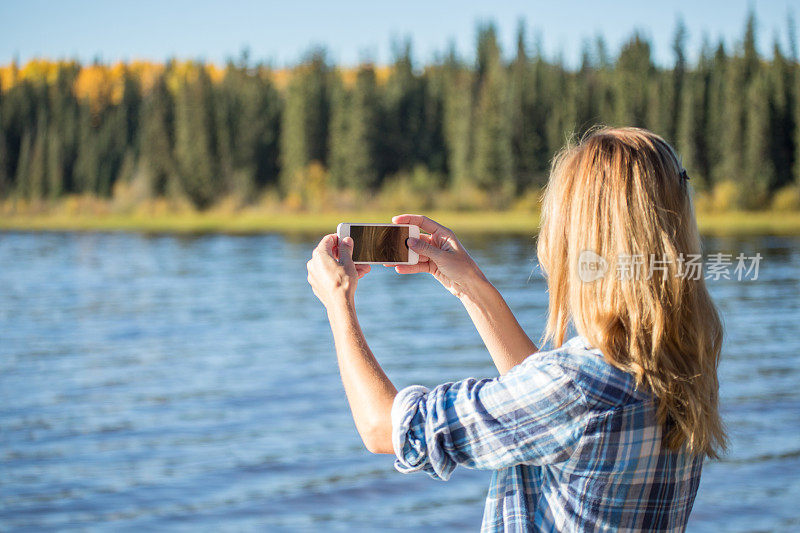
column 253, row 223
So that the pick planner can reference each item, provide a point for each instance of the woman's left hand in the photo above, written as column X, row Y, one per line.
column 331, row 272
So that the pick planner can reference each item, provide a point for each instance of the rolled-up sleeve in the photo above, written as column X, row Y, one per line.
column 534, row 414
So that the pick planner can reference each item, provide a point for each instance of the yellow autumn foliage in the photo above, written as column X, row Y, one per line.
column 103, row 84
column 95, row 84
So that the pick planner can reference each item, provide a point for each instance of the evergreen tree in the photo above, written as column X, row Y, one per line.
column 525, row 140
column 111, row 139
column 634, row 74
column 55, row 163
column 353, row 132
column 18, row 114
column 157, row 145
column 87, row 165
column 715, row 134
column 796, row 87
column 37, row 169
column 22, row 177
column 758, row 171
column 131, row 104
column 195, row 141
column 733, row 122
column 5, row 180
column 263, row 107
column 781, row 118
column 403, row 120
column 586, row 91
column 457, row 108
column 304, row 136
column 750, row 57
column 693, row 128
column 492, row 164
column 183, row 130
column 339, row 131
column 675, row 106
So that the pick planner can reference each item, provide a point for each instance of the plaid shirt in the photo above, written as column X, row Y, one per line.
column 573, row 444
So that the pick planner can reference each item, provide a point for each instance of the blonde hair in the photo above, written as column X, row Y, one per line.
column 621, row 193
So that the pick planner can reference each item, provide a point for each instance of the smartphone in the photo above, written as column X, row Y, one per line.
column 381, row 244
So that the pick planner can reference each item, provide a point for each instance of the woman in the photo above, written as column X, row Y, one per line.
column 608, row 430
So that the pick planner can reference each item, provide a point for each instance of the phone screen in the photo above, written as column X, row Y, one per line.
column 383, row 244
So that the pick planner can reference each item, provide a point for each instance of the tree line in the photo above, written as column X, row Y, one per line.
column 202, row 133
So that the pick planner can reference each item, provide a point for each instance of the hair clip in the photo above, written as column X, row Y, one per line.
column 684, row 176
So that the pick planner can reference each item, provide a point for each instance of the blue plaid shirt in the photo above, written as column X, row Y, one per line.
column 573, row 444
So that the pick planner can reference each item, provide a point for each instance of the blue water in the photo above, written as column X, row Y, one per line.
column 189, row 383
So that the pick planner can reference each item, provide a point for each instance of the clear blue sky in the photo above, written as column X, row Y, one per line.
column 280, row 32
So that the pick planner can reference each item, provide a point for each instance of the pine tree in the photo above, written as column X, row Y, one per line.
column 492, row 163
column 758, row 171
column 606, row 105
column 195, row 141
column 558, row 123
column 131, row 108
column 457, row 108
column 353, row 132
column 22, row 177
column 87, row 163
column 693, row 128
column 781, row 118
column 257, row 147
column 5, row 180
column 183, row 131
column 744, row 116
column 586, row 91
column 716, row 135
column 37, row 171
column 339, row 131
column 634, row 74
column 362, row 131
column 157, row 141
column 525, row 141
column 732, row 123
column 796, row 87
column 751, row 59
column 403, row 119
column 55, row 163
column 675, row 107
column 18, row 113
column 304, row 135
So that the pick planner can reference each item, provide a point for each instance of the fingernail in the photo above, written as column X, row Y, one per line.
column 412, row 241
column 348, row 241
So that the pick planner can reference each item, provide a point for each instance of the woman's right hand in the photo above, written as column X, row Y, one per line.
column 442, row 255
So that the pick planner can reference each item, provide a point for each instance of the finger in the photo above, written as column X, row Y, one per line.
column 429, row 240
column 327, row 244
column 426, row 248
column 362, row 270
column 421, row 259
column 424, row 223
column 413, row 269
column 346, row 251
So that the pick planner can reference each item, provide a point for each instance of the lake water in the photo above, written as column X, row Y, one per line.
column 189, row 383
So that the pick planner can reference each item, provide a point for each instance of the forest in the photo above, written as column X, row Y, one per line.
column 451, row 133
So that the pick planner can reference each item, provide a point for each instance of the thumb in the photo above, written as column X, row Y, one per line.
column 423, row 247
column 346, row 251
